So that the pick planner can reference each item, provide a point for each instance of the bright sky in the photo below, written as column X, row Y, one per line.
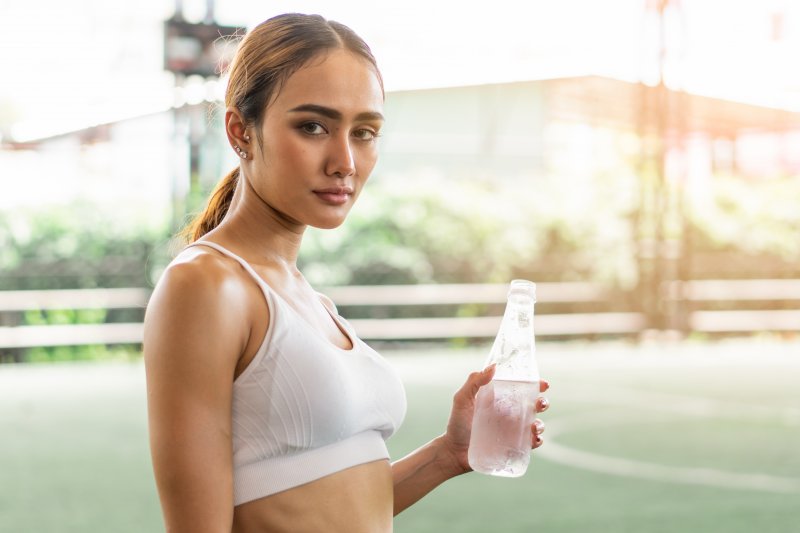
column 68, row 65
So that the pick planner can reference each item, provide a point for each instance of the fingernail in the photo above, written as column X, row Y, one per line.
column 539, row 427
column 544, row 403
column 489, row 368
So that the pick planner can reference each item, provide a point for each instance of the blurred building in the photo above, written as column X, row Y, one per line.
column 576, row 127
column 580, row 124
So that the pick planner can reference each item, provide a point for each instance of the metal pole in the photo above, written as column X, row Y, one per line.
column 209, row 12
column 660, row 220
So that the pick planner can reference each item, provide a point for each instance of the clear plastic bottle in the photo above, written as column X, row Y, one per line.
column 500, row 444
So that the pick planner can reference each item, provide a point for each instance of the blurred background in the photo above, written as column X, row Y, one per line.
column 638, row 159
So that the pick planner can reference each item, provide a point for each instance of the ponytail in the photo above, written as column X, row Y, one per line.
column 215, row 211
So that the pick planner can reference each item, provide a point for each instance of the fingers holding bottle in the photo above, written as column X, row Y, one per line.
column 541, row 405
column 537, row 428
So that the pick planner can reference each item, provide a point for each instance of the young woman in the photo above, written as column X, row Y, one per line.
column 267, row 413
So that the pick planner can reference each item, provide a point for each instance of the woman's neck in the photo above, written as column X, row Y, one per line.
column 260, row 232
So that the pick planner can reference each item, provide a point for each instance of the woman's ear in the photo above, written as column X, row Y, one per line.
column 238, row 136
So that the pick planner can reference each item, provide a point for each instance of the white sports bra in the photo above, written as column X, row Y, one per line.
column 305, row 408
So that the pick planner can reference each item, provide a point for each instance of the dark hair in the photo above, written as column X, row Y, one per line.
column 264, row 60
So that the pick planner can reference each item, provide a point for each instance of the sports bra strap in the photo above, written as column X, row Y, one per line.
column 221, row 249
column 273, row 297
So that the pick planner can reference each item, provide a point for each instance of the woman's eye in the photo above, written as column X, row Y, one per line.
column 312, row 128
column 365, row 134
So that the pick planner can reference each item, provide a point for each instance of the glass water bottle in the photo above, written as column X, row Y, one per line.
column 500, row 444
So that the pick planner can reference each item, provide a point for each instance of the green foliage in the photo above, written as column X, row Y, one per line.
column 431, row 228
column 53, row 354
column 754, row 217
column 64, row 316
column 434, row 229
column 74, row 246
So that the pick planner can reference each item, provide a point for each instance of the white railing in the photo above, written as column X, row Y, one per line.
column 744, row 292
column 481, row 326
column 26, row 336
column 698, row 293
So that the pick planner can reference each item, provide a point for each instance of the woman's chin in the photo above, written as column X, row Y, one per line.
column 327, row 223
column 329, row 219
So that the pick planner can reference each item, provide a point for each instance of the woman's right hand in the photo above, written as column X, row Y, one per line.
column 459, row 427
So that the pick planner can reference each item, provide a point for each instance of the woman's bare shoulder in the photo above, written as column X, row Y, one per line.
column 199, row 273
column 200, row 294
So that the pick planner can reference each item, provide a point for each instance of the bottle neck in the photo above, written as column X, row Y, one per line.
column 514, row 348
column 519, row 315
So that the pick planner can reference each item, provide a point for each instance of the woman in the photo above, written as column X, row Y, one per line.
column 266, row 412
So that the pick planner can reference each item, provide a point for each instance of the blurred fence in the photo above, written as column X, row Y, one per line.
column 738, row 306
column 438, row 312
column 13, row 304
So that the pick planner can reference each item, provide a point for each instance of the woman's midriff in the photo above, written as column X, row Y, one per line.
column 355, row 500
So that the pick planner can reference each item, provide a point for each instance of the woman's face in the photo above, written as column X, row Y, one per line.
column 319, row 140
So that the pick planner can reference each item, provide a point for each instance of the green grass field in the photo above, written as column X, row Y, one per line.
column 664, row 438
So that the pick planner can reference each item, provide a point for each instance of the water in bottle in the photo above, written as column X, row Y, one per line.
column 500, row 443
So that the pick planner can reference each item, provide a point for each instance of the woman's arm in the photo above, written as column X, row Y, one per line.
column 193, row 339
column 445, row 457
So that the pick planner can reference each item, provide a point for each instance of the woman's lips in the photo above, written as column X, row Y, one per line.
column 334, row 195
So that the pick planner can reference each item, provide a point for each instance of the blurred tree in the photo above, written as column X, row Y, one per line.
column 71, row 247
column 443, row 230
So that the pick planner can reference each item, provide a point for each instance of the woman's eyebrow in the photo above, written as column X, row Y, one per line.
column 333, row 113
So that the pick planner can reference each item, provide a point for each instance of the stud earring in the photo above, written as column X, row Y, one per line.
column 241, row 152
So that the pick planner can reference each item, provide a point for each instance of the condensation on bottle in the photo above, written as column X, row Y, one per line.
column 500, row 444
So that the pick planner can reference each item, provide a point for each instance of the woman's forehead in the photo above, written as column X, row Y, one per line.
column 336, row 78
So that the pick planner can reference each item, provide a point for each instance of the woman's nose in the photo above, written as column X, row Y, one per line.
column 341, row 161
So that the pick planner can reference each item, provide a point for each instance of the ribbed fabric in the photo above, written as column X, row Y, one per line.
column 284, row 472
column 305, row 408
